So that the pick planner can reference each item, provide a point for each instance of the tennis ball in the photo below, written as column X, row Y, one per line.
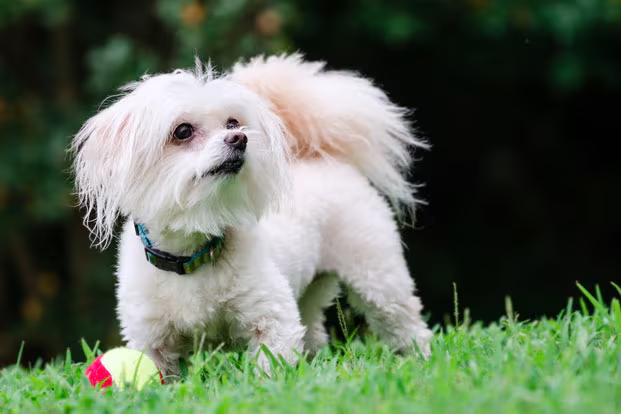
column 123, row 367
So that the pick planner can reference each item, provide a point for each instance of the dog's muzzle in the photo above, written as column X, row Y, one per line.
column 237, row 142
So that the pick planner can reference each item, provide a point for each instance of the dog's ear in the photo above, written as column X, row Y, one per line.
column 101, row 168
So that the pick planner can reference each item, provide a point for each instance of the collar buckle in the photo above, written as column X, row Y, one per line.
column 181, row 265
column 166, row 261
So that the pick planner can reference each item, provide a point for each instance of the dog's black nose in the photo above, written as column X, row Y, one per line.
column 237, row 140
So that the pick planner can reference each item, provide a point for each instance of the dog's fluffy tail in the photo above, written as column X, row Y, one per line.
column 338, row 115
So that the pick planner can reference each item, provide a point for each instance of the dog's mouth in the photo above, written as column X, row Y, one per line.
column 229, row 167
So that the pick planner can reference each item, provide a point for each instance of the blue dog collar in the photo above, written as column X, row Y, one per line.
column 182, row 265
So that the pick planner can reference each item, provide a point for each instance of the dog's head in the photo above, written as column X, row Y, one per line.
column 182, row 151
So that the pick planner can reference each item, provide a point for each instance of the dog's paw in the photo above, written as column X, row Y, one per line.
column 422, row 340
column 419, row 344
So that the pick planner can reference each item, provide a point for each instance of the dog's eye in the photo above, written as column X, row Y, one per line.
column 183, row 131
column 232, row 123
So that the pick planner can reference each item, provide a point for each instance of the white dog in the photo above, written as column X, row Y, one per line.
column 249, row 198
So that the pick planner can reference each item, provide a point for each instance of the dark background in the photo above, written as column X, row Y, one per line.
column 519, row 99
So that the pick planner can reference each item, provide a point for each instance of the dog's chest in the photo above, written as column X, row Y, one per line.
column 212, row 332
column 201, row 308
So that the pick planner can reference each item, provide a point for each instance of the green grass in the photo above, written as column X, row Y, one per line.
column 571, row 364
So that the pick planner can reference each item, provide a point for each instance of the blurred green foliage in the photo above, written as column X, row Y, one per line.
column 60, row 58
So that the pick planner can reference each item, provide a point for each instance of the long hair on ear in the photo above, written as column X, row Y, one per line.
column 98, row 166
column 108, row 151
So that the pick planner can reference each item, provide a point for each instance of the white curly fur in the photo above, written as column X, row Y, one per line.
column 305, row 213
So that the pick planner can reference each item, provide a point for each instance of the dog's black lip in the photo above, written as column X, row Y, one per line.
column 229, row 167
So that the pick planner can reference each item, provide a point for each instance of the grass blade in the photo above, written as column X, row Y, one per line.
column 600, row 308
column 341, row 317
column 583, row 307
column 88, row 352
column 183, row 367
column 68, row 361
column 598, row 294
column 616, row 313
column 20, row 353
column 455, row 305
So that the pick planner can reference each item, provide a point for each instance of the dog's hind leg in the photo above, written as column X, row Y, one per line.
column 364, row 248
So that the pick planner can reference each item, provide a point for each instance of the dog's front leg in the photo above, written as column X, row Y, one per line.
column 269, row 316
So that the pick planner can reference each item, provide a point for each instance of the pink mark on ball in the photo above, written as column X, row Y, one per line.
column 98, row 374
